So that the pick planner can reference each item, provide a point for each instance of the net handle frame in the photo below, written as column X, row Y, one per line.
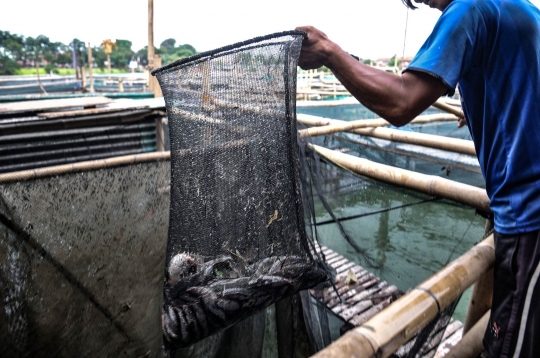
column 238, row 45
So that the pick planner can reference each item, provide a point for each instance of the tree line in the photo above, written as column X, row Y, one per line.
column 18, row 52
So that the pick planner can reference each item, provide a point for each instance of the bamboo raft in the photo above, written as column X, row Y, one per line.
column 357, row 302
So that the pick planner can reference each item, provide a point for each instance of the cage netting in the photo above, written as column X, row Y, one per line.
column 237, row 238
column 410, row 235
column 81, row 257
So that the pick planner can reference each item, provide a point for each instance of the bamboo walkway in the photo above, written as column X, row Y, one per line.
column 361, row 300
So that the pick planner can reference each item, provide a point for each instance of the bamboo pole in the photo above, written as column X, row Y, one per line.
column 451, row 101
column 83, row 166
column 411, row 155
column 40, row 85
column 427, row 140
column 107, row 163
column 153, row 84
column 443, row 106
column 384, row 333
column 428, row 184
column 90, row 64
column 330, row 126
column 482, row 294
column 109, row 65
column 470, row 345
column 160, row 135
column 157, row 88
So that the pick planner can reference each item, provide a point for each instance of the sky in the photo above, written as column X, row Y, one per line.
column 366, row 28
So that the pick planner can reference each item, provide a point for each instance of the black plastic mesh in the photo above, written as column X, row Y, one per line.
column 81, row 258
column 237, row 238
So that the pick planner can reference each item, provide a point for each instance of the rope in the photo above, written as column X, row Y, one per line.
column 377, row 211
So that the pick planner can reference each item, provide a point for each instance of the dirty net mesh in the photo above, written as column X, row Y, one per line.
column 81, row 263
column 237, row 238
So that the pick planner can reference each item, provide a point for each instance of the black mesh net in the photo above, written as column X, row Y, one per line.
column 409, row 235
column 81, row 263
column 82, row 254
column 237, row 238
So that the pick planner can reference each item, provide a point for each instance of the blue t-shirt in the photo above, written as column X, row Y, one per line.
column 492, row 48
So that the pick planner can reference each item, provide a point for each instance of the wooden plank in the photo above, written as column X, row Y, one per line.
column 350, row 290
column 335, row 259
column 87, row 112
column 448, row 344
column 339, row 263
column 369, row 289
column 345, row 267
column 52, row 104
column 355, row 310
column 363, row 317
column 384, row 294
column 341, row 290
column 355, row 302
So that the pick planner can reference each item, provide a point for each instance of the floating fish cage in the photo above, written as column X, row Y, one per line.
column 253, row 236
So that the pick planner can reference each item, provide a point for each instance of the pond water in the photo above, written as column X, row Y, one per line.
column 408, row 238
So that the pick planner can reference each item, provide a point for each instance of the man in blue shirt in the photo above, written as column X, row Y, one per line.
column 491, row 49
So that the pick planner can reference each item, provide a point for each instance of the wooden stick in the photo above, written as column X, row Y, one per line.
column 470, row 345
column 482, row 293
column 317, row 121
column 104, row 163
column 412, row 155
column 427, row 140
column 443, row 106
column 333, row 126
column 384, row 333
column 428, row 184
column 83, row 166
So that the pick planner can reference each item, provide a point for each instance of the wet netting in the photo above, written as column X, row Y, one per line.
column 237, row 237
column 409, row 235
column 81, row 262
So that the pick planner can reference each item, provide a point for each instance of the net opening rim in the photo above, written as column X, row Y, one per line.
column 229, row 47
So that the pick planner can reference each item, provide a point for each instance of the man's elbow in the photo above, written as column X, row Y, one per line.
column 400, row 116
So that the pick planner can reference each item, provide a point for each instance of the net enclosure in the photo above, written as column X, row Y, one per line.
column 237, row 232
column 81, row 257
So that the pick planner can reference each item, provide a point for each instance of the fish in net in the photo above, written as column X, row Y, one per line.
column 237, row 233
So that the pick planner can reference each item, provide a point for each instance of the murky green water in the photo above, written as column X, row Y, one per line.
column 409, row 243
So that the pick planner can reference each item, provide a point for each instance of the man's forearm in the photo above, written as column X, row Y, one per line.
column 398, row 99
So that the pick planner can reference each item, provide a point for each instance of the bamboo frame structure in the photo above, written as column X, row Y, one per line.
column 384, row 333
column 83, row 166
column 428, row 184
column 482, row 293
column 470, row 345
column 427, row 140
column 410, row 154
column 104, row 163
column 316, row 121
column 330, row 126
column 443, row 106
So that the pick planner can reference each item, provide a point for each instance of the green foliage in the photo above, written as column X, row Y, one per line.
column 170, row 53
column 11, row 46
column 367, row 62
column 392, row 62
column 120, row 57
column 8, row 66
column 99, row 57
column 51, row 68
column 16, row 50
column 80, row 51
column 168, row 45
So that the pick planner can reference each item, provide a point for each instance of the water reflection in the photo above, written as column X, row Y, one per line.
column 409, row 243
